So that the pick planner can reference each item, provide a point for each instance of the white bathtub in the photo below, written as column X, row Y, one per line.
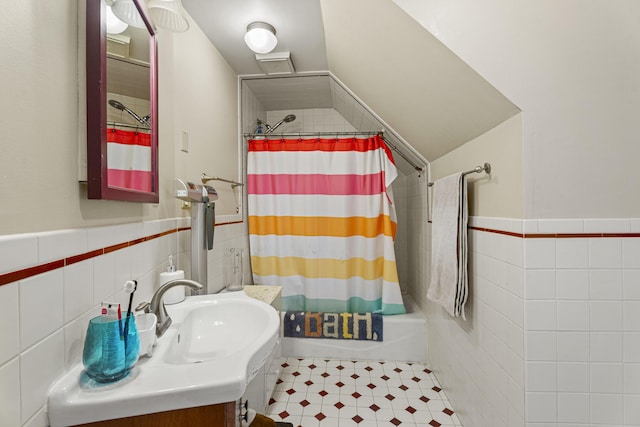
column 404, row 340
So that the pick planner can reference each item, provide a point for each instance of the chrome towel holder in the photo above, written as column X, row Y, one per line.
column 206, row 178
column 478, row 169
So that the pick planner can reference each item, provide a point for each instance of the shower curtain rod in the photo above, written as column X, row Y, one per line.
column 317, row 134
column 126, row 125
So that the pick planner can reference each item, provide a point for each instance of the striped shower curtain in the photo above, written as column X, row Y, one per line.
column 322, row 223
column 129, row 159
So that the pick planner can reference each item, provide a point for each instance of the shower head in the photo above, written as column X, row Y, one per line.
column 118, row 105
column 287, row 119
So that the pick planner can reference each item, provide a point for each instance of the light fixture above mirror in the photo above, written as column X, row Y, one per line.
column 114, row 24
column 168, row 14
column 127, row 12
column 261, row 37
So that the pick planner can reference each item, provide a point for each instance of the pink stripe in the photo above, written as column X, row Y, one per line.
column 316, row 184
column 130, row 179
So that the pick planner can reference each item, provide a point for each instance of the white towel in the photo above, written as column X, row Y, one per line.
column 449, row 283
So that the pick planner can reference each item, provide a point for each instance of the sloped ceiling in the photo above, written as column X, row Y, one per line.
column 428, row 95
column 409, row 78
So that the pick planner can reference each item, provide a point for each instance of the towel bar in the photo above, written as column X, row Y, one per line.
column 205, row 178
column 478, row 169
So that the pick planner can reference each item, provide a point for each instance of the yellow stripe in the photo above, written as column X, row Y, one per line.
column 315, row 268
column 322, row 226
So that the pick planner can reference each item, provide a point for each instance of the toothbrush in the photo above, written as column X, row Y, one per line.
column 129, row 287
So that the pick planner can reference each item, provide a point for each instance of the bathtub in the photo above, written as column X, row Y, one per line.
column 404, row 340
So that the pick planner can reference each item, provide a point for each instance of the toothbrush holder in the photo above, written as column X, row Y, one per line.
column 108, row 355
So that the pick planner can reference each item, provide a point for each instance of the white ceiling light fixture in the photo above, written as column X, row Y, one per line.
column 127, row 12
column 261, row 37
column 168, row 14
column 114, row 25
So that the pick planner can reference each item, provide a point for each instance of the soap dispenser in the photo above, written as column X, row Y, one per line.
column 177, row 293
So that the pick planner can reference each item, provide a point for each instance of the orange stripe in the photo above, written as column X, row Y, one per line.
column 322, row 226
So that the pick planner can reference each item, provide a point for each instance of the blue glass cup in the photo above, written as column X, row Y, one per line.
column 110, row 349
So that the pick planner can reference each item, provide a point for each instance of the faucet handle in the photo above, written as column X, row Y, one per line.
column 144, row 306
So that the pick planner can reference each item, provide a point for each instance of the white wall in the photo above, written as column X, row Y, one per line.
column 573, row 67
column 205, row 105
column 41, row 113
column 498, row 194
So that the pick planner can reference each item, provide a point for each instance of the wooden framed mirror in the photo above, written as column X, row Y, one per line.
column 122, row 107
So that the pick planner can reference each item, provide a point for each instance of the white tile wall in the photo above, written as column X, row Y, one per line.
column 10, row 393
column 9, row 319
column 605, row 253
column 40, row 365
column 18, row 251
column 595, row 357
column 550, row 339
column 44, row 317
column 578, row 361
column 41, row 307
column 631, row 253
column 252, row 109
column 487, row 376
column 311, row 120
column 55, row 245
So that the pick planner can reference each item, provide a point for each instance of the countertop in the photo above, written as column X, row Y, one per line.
column 268, row 294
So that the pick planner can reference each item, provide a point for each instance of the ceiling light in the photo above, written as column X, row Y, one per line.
column 114, row 25
column 260, row 37
column 168, row 15
column 127, row 12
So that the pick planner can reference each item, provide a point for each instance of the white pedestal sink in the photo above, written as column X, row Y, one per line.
column 214, row 347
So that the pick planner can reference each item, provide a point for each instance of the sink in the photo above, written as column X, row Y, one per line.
column 218, row 330
column 215, row 346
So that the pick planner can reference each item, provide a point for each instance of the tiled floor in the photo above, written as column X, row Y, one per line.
column 338, row 393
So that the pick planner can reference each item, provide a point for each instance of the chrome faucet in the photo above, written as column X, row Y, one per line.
column 156, row 306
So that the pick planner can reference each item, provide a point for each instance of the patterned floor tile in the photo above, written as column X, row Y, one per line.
column 345, row 393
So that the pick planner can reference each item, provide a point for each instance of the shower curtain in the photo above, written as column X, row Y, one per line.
column 129, row 159
column 322, row 223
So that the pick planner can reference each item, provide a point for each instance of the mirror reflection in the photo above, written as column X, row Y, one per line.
column 122, row 132
column 128, row 111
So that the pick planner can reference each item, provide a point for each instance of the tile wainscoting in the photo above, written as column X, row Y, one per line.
column 52, row 283
column 552, row 336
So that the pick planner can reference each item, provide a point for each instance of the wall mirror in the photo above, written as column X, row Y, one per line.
column 122, row 111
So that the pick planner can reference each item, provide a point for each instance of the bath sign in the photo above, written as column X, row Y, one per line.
column 345, row 326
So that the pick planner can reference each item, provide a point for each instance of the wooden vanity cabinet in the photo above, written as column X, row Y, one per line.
column 220, row 415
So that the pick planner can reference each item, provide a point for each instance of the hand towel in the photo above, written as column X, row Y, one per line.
column 449, row 282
